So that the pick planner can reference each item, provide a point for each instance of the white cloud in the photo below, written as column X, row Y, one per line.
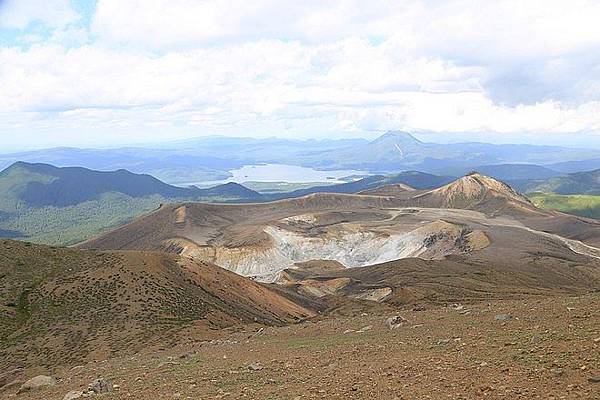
column 309, row 68
column 19, row 14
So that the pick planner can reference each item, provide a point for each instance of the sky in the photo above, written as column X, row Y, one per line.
column 106, row 72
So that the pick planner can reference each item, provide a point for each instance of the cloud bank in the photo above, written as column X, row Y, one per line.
column 188, row 67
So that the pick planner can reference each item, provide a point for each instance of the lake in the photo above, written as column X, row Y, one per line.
column 283, row 173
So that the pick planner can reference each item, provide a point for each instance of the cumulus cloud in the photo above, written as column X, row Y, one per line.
column 312, row 68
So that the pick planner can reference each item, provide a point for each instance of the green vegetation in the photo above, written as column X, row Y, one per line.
column 60, row 304
column 72, row 224
column 22, row 267
column 13, row 182
column 587, row 182
column 63, row 206
column 578, row 204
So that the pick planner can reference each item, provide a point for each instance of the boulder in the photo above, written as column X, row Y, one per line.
column 73, row 394
column 37, row 382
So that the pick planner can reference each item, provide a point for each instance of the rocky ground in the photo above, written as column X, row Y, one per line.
column 538, row 348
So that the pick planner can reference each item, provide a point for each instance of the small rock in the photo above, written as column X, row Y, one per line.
column 100, row 386
column 395, row 321
column 364, row 329
column 37, row 382
column 255, row 366
column 502, row 317
column 73, row 394
column 594, row 379
column 348, row 331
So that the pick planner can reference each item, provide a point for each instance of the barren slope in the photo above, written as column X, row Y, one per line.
column 544, row 348
column 260, row 240
column 66, row 305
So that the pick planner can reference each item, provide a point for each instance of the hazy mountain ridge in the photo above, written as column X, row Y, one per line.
column 211, row 158
column 414, row 179
column 509, row 172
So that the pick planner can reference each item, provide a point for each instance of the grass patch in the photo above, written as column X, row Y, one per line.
column 577, row 204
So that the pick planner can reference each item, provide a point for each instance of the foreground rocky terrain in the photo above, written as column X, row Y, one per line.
column 533, row 348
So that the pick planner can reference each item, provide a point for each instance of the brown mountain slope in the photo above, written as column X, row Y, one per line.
column 66, row 305
column 234, row 225
column 476, row 192
column 497, row 199
column 356, row 230
column 540, row 266
column 388, row 190
column 228, row 224
column 541, row 348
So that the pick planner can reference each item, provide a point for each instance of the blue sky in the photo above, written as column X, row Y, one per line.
column 109, row 72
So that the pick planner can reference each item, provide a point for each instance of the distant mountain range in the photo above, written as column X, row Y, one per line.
column 587, row 182
column 65, row 205
column 211, row 158
column 44, row 203
column 414, row 179
column 509, row 172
